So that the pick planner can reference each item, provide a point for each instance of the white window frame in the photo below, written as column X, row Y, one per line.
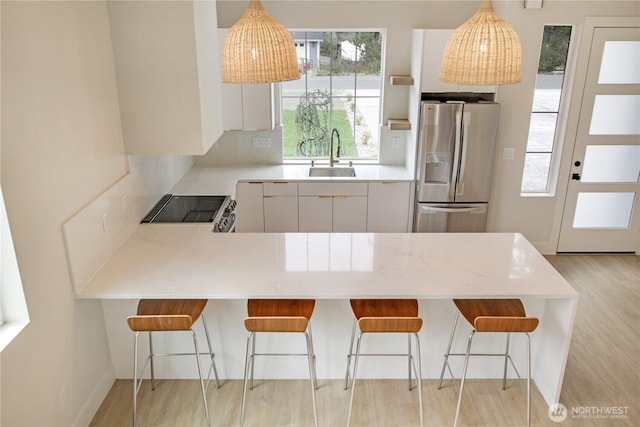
column 562, row 117
column 375, row 128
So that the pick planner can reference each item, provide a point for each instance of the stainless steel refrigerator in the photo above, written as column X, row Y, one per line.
column 454, row 165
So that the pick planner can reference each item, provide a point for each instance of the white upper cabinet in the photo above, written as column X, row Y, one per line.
column 246, row 106
column 430, row 44
column 169, row 75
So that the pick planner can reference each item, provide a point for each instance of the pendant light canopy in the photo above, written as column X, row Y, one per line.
column 258, row 49
column 485, row 50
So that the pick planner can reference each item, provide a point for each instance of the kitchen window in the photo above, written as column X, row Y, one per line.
column 542, row 147
column 340, row 88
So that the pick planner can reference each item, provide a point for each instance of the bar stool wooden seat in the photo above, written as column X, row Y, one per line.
column 496, row 316
column 279, row 315
column 385, row 316
column 169, row 315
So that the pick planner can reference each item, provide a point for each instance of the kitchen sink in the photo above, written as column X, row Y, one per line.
column 329, row 171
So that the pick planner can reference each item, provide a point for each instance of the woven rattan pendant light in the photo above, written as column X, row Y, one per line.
column 485, row 50
column 258, row 49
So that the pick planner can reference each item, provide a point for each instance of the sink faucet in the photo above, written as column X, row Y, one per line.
column 331, row 159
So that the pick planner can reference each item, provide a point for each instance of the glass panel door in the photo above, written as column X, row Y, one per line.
column 601, row 212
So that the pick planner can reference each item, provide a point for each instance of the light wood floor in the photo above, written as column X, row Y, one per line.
column 602, row 372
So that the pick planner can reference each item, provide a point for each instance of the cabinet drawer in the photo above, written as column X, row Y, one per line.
column 280, row 188
column 332, row 189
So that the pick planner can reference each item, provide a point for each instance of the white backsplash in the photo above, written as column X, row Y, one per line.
column 236, row 148
column 94, row 234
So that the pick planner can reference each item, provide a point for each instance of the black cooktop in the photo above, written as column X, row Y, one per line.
column 185, row 209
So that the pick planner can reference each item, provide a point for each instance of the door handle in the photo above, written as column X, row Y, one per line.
column 575, row 176
column 438, row 209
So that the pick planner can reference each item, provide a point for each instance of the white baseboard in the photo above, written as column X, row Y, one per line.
column 95, row 399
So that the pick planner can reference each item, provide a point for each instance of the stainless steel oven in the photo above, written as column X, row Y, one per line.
column 219, row 210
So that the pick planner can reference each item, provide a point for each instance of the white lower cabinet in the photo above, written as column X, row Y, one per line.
column 250, row 210
column 332, row 207
column 315, row 214
column 346, row 207
column 388, row 207
column 349, row 214
column 280, row 201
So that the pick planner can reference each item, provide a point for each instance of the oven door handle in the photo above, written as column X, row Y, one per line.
column 232, row 227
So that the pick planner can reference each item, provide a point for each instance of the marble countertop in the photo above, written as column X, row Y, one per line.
column 188, row 261
column 203, row 180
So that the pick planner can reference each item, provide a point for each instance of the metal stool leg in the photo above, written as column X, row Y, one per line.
column 248, row 359
column 135, row 376
column 312, row 374
column 419, row 379
column 211, row 355
column 353, row 334
column 506, row 360
column 446, row 356
column 253, row 360
column 313, row 354
column 409, row 358
column 464, row 375
column 353, row 381
column 528, row 380
column 151, row 356
column 204, row 392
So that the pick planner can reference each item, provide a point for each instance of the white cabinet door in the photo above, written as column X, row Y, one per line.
column 389, row 205
column 433, row 43
column 349, row 214
column 315, row 214
column 280, row 200
column 280, row 214
column 250, row 213
column 246, row 106
column 332, row 207
column 169, row 76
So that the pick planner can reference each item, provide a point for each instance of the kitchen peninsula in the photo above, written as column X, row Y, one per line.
column 188, row 261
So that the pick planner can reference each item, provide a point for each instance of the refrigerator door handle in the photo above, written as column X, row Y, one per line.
column 466, row 122
column 456, row 157
column 473, row 209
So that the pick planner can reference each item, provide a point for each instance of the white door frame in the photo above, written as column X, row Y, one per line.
column 585, row 34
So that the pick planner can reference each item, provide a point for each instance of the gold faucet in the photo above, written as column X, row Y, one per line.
column 331, row 159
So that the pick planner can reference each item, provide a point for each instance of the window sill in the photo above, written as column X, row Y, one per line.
column 8, row 331
column 536, row 195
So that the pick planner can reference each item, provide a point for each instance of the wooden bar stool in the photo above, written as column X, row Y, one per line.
column 385, row 316
column 169, row 315
column 279, row 315
column 492, row 315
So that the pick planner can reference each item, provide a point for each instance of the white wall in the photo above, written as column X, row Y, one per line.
column 62, row 148
column 536, row 217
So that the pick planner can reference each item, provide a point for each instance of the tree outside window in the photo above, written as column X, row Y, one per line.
column 340, row 88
